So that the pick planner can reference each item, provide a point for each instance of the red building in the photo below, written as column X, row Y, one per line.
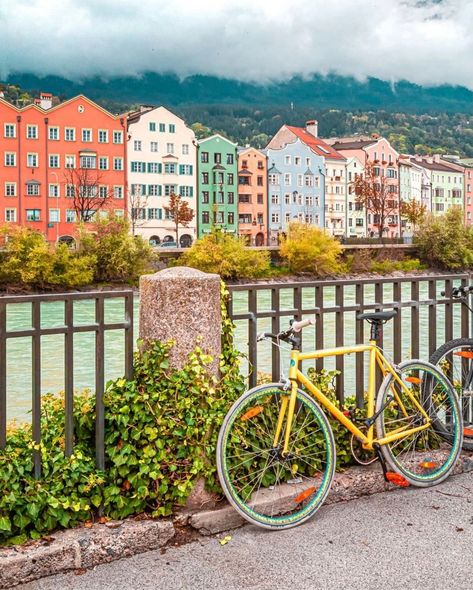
column 61, row 164
column 253, row 196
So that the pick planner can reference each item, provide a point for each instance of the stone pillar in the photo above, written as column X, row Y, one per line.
column 182, row 304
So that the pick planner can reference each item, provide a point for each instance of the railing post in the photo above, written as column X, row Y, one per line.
column 182, row 304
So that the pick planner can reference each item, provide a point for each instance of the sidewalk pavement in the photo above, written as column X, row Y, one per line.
column 407, row 539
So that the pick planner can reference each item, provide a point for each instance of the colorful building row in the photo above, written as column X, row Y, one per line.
column 60, row 163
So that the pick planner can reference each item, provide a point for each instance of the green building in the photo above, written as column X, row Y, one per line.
column 217, row 204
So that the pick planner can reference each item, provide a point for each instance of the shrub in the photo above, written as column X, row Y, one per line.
column 226, row 255
column 29, row 260
column 445, row 241
column 387, row 266
column 309, row 249
column 119, row 255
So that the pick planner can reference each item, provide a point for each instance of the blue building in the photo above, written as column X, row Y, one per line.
column 296, row 187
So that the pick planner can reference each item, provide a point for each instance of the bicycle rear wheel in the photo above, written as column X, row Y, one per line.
column 455, row 360
column 427, row 456
column 266, row 487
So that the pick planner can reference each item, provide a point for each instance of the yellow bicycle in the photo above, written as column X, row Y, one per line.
column 276, row 452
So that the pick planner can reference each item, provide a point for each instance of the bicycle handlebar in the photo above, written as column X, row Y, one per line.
column 459, row 292
column 287, row 335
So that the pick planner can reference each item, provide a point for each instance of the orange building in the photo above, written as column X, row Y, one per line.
column 253, row 196
column 58, row 165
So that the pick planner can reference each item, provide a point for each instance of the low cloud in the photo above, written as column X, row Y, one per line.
column 428, row 42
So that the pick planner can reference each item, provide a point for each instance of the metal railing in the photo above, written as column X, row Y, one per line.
column 417, row 299
column 69, row 328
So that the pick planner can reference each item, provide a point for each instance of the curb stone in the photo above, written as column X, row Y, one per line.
column 353, row 483
column 87, row 547
column 82, row 548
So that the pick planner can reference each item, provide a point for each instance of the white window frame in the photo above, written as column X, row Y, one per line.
column 9, row 126
column 117, row 137
column 7, row 158
column 118, row 164
column 30, row 157
column 71, row 132
column 153, row 147
column 118, row 189
column 69, row 158
column 58, row 160
column 137, row 145
column 103, row 160
column 8, row 211
column 50, row 130
column 54, row 188
column 103, row 135
column 58, row 211
column 29, row 129
column 10, row 187
column 86, row 132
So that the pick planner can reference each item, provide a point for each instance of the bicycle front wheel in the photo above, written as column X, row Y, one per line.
column 267, row 487
column 455, row 360
column 427, row 405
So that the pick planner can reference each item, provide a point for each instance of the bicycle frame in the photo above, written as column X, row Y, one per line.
column 376, row 359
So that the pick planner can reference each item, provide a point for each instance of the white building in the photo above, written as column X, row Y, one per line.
column 161, row 160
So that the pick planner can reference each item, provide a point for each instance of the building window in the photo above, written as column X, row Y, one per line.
column 220, row 198
column 138, row 166
column 88, row 162
column 153, row 168
column 185, row 149
column 103, row 191
column 53, row 190
column 169, row 189
column 33, row 215
column 10, row 215
column 137, row 144
column 244, row 198
column 287, row 199
column 230, row 178
column 87, row 135
column 10, row 189
column 205, row 178
column 103, row 163
column 155, row 213
column 186, row 191
column 275, row 218
column 153, row 146
column 70, row 191
column 70, row 215
column 297, row 160
column 231, row 198
column 259, row 199
column 217, row 158
column 230, row 158
column 103, row 136
column 32, row 160
column 162, row 127
column 9, row 130
column 204, row 157
column 170, row 168
column 231, row 218
column 69, row 134
column 118, row 137
column 118, row 164
column 287, row 179
column 273, row 179
column 205, row 217
column 172, row 128
column 205, row 197
column 53, row 161
column 218, row 216
column 170, row 148
column 154, row 190
column 32, row 131
column 54, row 215
column 53, row 133
column 118, row 192
column 185, row 169
column 275, row 199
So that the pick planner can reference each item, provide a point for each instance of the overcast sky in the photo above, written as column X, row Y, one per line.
column 425, row 41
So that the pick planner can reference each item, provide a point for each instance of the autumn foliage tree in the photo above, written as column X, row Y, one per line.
column 375, row 192
column 88, row 192
column 179, row 212
column 414, row 212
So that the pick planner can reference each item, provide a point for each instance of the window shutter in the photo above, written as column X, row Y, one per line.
column 159, row 192
column 181, row 169
column 160, row 213
column 143, row 189
column 160, row 168
column 191, row 191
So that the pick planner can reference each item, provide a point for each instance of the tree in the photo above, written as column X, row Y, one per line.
column 89, row 193
column 179, row 212
column 137, row 202
column 413, row 211
column 374, row 192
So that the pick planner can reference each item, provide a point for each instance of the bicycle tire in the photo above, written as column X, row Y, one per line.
column 426, row 457
column 466, row 403
column 281, row 488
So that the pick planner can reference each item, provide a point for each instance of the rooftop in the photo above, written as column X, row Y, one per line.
column 316, row 144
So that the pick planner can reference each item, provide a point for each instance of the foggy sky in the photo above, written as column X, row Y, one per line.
column 428, row 42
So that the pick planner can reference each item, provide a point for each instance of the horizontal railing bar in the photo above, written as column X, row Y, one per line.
column 335, row 282
column 65, row 330
column 349, row 308
column 45, row 297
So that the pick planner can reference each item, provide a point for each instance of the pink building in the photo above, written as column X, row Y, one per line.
column 378, row 151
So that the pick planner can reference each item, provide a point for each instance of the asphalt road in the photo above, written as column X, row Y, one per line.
column 407, row 539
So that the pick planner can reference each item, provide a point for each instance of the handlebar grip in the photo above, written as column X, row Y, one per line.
column 298, row 326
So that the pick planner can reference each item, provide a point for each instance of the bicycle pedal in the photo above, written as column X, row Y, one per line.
column 396, row 479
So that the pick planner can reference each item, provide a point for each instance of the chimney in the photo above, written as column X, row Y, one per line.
column 437, row 158
column 312, row 127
